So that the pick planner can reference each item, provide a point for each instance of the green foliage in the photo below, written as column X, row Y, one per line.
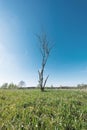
column 9, row 86
column 4, row 86
column 51, row 110
column 12, row 86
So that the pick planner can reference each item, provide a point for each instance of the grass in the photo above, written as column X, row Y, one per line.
column 50, row 110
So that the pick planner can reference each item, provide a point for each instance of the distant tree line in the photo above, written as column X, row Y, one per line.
column 82, row 86
column 13, row 86
column 9, row 86
column 22, row 84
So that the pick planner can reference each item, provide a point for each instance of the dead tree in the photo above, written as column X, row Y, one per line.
column 45, row 49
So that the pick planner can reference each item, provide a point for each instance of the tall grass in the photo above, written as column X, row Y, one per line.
column 50, row 110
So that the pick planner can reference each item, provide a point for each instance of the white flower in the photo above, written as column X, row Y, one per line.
column 36, row 125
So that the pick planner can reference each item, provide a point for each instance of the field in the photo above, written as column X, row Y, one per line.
column 50, row 110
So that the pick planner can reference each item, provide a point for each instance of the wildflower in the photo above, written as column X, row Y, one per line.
column 36, row 125
column 22, row 126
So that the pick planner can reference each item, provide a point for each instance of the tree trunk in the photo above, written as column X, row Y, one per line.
column 42, row 83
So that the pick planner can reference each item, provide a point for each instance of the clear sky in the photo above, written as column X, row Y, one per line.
column 65, row 22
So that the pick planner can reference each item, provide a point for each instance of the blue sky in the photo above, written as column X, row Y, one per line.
column 65, row 22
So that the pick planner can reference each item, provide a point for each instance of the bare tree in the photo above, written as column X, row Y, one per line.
column 21, row 84
column 45, row 49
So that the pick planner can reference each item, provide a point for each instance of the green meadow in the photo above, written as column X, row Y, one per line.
column 49, row 110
